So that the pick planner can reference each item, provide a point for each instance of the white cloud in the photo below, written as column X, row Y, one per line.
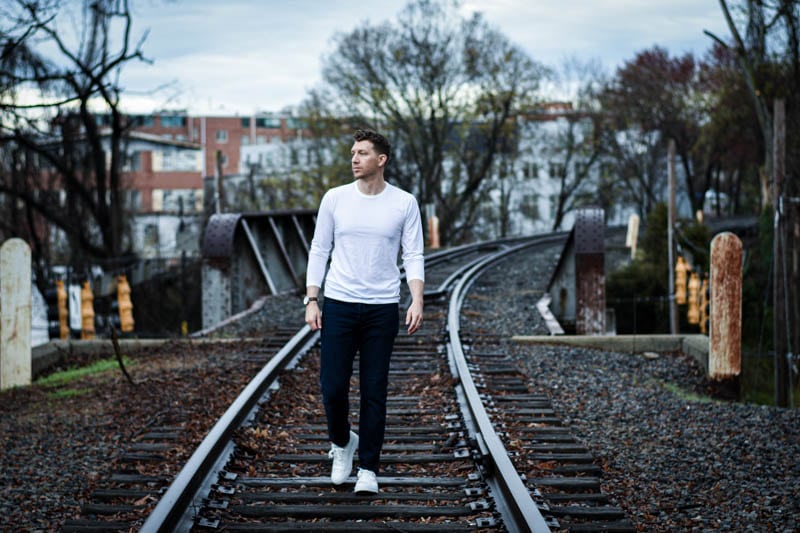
column 611, row 30
column 240, row 55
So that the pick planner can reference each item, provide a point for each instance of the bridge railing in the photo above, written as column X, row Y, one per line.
column 249, row 255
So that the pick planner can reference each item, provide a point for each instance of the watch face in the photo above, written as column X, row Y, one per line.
column 305, row 300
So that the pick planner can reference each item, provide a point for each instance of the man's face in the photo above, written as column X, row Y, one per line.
column 364, row 160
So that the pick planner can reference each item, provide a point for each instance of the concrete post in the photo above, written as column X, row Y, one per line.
column 15, row 314
column 725, row 339
column 632, row 237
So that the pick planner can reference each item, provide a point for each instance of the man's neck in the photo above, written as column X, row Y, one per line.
column 372, row 185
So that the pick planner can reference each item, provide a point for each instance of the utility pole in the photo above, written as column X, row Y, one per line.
column 779, row 288
column 219, row 200
column 673, row 305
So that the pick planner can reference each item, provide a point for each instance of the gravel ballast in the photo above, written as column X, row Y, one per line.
column 673, row 458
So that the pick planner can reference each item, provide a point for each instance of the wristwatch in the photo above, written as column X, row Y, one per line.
column 310, row 299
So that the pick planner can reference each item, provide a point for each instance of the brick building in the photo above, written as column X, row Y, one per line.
column 224, row 134
column 167, row 155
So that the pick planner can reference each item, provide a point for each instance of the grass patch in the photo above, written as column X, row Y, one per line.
column 685, row 395
column 67, row 393
column 66, row 376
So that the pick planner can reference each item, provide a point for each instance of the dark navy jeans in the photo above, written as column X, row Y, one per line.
column 369, row 330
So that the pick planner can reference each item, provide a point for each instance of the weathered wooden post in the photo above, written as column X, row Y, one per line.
column 725, row 339
column 671, row 218
column 779, row 288
column 15, row 314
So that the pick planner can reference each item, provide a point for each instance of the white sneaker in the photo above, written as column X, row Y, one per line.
column 343, row 460
column 367, row 482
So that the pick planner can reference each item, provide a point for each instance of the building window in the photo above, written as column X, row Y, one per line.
column 222, row 136
column 529, row 206
column 245, row 140
column 173, row 121
column 223, row 160
column 264, row 122
column 553, row 207
column 151, row 236
column 132, row 162
column 142, row 121
column 530, row 170
column 179, row 200
column 261, row 139
column 245, row 122
column 133, row 200
column 558, row 170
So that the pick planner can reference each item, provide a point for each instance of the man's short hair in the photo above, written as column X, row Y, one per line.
column 378, row 141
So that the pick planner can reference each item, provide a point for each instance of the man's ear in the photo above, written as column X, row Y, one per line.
column 382, row 160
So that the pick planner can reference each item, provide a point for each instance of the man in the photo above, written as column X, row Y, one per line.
column 361, row 226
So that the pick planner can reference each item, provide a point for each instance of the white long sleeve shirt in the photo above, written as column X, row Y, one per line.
column 362, row 234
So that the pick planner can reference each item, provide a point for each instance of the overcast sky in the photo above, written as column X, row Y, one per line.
column 244, row 56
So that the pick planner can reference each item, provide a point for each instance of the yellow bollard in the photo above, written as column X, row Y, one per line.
column 126, row 321
column 63, row 313
column 87, row 312
column 693, row 314
column 681, row 267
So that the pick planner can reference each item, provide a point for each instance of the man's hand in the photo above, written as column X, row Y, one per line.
column 414, row 314
column 313, row 316
column 313, row 312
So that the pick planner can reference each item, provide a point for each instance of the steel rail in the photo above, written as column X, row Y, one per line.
column 175, row 505
column 174, row 509
column 514, row 495
column 456, row 252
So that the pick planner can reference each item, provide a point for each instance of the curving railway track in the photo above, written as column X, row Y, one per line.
column 469, row 446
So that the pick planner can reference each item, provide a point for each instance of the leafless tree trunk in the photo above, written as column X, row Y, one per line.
column 75, row 87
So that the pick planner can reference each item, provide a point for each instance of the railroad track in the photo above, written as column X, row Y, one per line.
column 558, row 469
column 264, row 465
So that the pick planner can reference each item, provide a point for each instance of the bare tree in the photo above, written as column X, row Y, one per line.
column 444, row 89
column 60, row 105
column 330, row 137
column 635, row 160
column 730, row 142
column 768, row 53
column 570, row 140
column 657, row 93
